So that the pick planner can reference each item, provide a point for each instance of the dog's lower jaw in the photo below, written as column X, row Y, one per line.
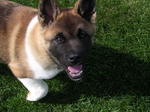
column 37, row 88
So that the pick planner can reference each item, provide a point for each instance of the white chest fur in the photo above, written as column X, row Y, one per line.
column 36, row 68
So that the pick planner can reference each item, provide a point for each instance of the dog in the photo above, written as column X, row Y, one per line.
column 38, row 44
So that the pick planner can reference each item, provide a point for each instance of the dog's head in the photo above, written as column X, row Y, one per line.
column 68, row 33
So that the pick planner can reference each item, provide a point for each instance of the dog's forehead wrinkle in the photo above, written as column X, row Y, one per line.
column 69, row 22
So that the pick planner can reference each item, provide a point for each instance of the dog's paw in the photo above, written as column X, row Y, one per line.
column 37, row 95
column 32, row 97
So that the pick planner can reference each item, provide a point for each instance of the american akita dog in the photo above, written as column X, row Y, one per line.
column 39, row 44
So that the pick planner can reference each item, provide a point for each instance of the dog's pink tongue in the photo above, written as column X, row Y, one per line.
column 75, row 69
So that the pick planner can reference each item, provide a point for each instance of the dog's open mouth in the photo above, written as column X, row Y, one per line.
column 75, row 72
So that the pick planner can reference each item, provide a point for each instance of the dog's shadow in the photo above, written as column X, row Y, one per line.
column 108, row 73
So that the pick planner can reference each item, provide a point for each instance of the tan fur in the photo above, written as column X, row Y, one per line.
column 38, row 47
column 14, row 19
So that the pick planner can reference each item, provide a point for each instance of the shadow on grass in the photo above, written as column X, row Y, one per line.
column 109, row 73
column 4, row 70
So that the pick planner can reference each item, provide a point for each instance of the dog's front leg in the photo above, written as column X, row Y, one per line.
column 37, row 88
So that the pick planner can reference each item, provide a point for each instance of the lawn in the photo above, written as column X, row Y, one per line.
column 118, row 68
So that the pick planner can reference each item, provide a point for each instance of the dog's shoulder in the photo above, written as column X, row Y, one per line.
column 6, row 7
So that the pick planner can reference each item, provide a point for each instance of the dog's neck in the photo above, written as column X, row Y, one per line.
column 34, row 45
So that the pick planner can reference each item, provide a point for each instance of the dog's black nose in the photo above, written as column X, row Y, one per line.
column 74, row 59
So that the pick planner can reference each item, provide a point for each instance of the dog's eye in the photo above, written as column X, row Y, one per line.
column 60, row 38
column 82, row 34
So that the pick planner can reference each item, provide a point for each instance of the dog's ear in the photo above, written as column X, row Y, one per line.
column 86, row 9
column 48, row 11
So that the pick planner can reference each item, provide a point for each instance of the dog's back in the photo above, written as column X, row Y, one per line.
column 14, row 19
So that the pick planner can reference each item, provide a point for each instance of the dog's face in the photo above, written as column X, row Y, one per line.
column 68, row 34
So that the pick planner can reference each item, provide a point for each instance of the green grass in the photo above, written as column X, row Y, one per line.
column 117, row 74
